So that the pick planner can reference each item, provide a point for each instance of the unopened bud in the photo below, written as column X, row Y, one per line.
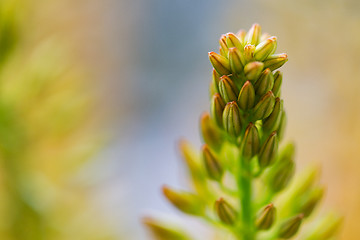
column 279, row 176
column 220, row 63
column 265, row 48
column 217, row 108
column 233, row 41
column 268, row 151
column 223, row 45
column 282, row 125
column 266, row 217
column 212, row 164
column 231, row 119
column 228, row 90
column 164, row 231
column 215, row 80
column 272, row 122
column 236, row 60
column 225, row 212
column 184, row 201
column 264, row 107
column 251, row 142
column 249, row 51
column 311, row 201
column 290, row 226
column 246, row 98
column 253, row 70
column 277, row 83
column 254, row 34
column 241, row 35
column 210, row 133
column 264, row 83
column 275, row 61
column 325, row 229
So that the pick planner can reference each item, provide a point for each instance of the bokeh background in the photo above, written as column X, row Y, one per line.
column 94, row 95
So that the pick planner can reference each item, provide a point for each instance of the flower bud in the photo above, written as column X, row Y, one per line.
column 250, row 142
column 311, row 201
column 220, row 63
column 215, row 80
column 222, row 52
column 246, row 98
column 164, row 231
column 272, row 122
column 231, row 119
column 324, row 229
column 277, row 83
column 241, row 35
column 212, row 164
column 264, row 83
column 210, row 133
column 228, row 90
column 186, row 202
column 233, row 41
column 266, row 217
column 290, row 226
column 265, row 48
column 264, row 107
column 268, row 151
column 254, row 34
column 217, row 108
column 225, row 212
column 253, row 70
column 279, row 176
column 223, row 45
column 275, row 61
column 282, row 125
column 249, row 51
column 236, row 60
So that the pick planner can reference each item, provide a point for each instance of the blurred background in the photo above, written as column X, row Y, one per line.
column 94, row 95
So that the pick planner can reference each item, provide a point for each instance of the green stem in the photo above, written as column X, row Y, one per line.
column 245, row 185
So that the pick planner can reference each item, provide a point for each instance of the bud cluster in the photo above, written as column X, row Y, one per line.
column 241, row 180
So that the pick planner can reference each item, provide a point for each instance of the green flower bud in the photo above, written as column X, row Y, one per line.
column 272, row 122
column 254, row 34
column 236, row 60
column 266, row 217
column 223, row 45
column 264, row 107
column 279, row 176
column 212, row 164
column 210, row 132
column 222, row 52
column 264, row 83
column 265, row 48
column 249, row 51
column 290, row 226
column 311, row 201
column 275, row 61
column 186, row 202
column 215, row 81
column 268, row 151
column 163, row 231
column 277, row 83
column 253, row 70
column 220, row 63
column 217, row 108
column 231, row 119
column 233, row 41
column 225, row 212
column 250, row 142
column 246, row 98
column 228, row 90
column 282, row 125
column 241, row 35
column 324, row 229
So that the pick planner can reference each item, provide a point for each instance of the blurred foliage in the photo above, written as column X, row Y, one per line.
column 47, row 134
